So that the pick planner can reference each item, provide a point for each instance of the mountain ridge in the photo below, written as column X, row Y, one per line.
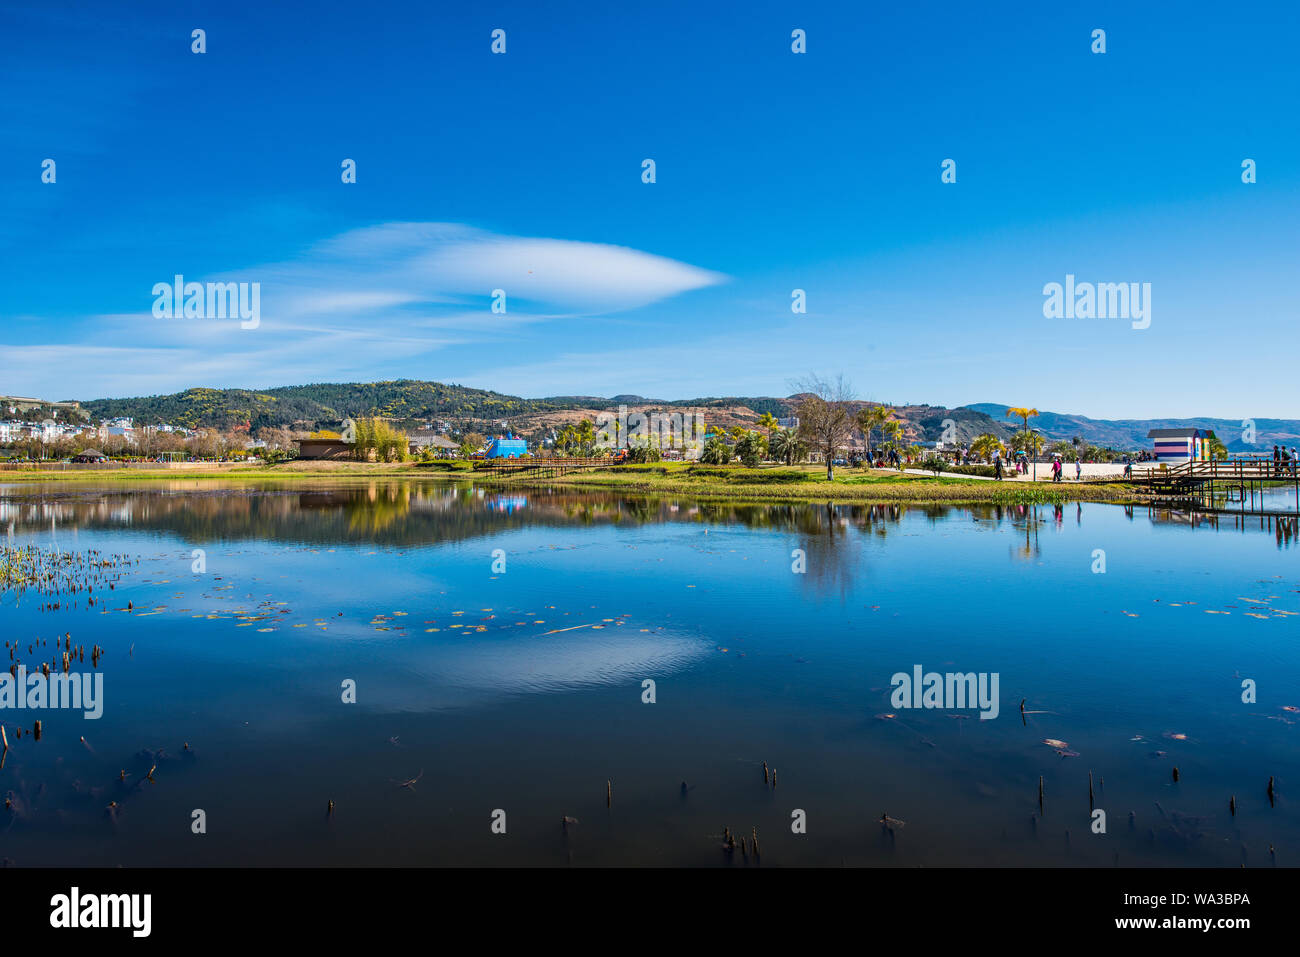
column 415, row 400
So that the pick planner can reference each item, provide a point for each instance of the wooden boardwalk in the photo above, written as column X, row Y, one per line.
column 542, row 467
column 1233, row 484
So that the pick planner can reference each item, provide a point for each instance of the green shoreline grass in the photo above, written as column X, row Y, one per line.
column 730, row 483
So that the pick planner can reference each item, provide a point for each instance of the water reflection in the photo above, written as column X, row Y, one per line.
column 522, row 684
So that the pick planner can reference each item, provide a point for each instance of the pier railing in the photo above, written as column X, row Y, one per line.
column 1234, row 480
column 1257, row 469
column 552, row 467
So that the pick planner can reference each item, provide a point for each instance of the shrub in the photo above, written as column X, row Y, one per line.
column 933, row 463
column 644, row 455
column 716, row 452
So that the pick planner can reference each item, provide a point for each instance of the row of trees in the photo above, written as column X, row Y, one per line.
column 577, row 440
column 148, row 443
column 376, row 439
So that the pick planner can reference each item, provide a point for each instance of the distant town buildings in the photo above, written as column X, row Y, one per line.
column 16, row 404
column 438, row 444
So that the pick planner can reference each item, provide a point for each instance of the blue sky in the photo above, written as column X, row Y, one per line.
column 775, row 171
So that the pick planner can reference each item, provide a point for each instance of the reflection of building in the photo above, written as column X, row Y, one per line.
column 1181, row 445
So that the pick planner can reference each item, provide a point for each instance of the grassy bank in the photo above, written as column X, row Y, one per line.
column 773, row 484
column 286, row 470
column 809, row 484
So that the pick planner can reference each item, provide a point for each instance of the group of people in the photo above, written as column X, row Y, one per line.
column 1058, row 468
column 1284, row 463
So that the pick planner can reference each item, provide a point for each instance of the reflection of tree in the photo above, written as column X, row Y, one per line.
column 380, row 508
column 830, row 537
column 832, row 560
column 404, row 512
column 1026, row 516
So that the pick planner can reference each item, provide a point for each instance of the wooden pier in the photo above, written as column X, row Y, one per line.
column 1233, row 485
column 542, row 467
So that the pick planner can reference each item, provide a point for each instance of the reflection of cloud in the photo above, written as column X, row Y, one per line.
column 346, row 306
column 459, row 675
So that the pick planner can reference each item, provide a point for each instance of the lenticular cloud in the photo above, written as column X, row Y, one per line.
column 437, row 261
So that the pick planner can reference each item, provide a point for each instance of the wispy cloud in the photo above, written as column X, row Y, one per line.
column 444, row 262
column 357, row 304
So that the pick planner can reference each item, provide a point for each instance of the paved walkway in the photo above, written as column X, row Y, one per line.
column 1091, row 471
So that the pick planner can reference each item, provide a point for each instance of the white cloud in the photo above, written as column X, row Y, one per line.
column 398, row 264
column 373, row 302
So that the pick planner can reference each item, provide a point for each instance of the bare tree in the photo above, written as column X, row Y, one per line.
column 276, row 437
column 825, row 415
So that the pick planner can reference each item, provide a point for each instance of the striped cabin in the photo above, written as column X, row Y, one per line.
column 1180, row 445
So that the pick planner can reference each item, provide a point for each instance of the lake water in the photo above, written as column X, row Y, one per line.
column 519, row 687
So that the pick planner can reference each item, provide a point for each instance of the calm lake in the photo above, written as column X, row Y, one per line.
column 499, row 644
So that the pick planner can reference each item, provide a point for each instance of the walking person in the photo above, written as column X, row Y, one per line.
column 1078, row 470
column 997, row 464
column 1277, row 461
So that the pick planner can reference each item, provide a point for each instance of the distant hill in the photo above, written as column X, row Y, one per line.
column 408, row 400
column 1132, row 433
column 320, row 402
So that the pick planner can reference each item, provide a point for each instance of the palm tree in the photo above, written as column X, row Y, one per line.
column 893, row 432
column 786, row 447
column 586, row 436
column 1025, row 414
column 716, row 451
column 985, row 445
column 868, row 419
column 1031, row 442
column 778, row 446
column 751, row 448
column 767, row 422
